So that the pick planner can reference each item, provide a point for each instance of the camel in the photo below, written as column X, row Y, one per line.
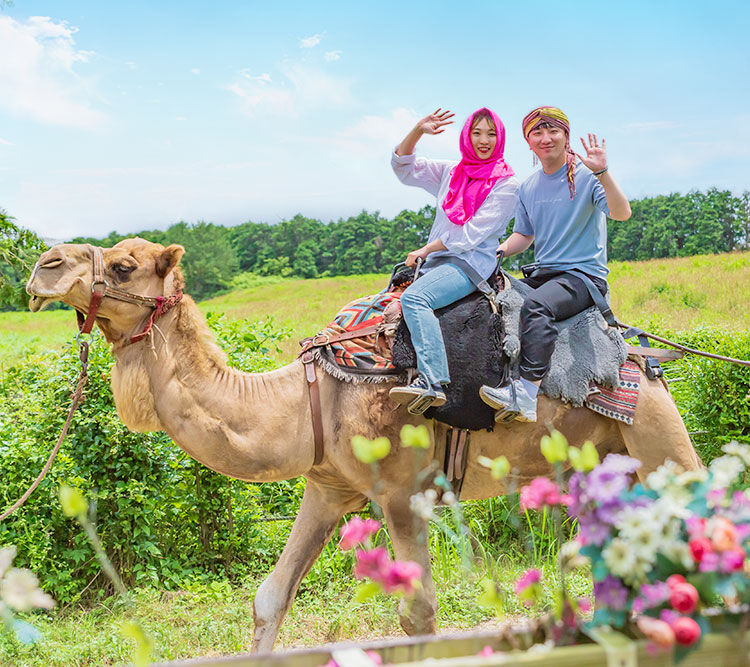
column 258, row 427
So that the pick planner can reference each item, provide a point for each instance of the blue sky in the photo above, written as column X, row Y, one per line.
column 129, row 116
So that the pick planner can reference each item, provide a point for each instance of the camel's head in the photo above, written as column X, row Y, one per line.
column 66, row 272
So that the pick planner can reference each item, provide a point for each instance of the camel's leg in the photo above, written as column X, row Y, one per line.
column 417, row 613
column 658, row 432
column 321, row 509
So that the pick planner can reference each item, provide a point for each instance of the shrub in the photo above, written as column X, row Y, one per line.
column 163, row 519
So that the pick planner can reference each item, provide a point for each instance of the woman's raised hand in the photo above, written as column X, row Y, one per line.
column 435, row 123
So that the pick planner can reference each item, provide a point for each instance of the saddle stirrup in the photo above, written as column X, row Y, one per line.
column 420, row 404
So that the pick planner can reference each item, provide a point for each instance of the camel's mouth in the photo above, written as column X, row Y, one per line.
column 37, row 302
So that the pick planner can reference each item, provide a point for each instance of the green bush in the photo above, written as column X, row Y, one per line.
column 164, row 520
column 713, row 396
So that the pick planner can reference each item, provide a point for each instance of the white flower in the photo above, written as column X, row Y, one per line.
column 6, row 559
column 449, row 498
column 632, row 523
column 673, row 502
column 742, row 452
column 678, row 552
column 570, row 556
column 20, row 591
column 619, row 557
column 724, row 471
column 690, row 476
column 422, row 504
column 665, row 474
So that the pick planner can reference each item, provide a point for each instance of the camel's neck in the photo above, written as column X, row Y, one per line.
column 255, row 427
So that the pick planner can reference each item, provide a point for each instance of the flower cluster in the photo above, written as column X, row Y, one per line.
column 374, row 563
column 663, row 550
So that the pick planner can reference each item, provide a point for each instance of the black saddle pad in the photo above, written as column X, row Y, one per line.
column 473, row 343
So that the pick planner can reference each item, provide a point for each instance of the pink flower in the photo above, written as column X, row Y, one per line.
column 710, row 562
column 530, row 578
column 723, row 534
column 696, row 527
column 486, row 652
column 373, row 564
column 401, row 575
column 357, row 531
column 657, row 631
column 686, row 631
column 584, row 605
column 675, row 579
column 684, row 598
column 732, row 560
column 373, row 655
column 540, row 493
column 699, row 547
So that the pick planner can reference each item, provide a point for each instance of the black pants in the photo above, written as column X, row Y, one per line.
column 556, row 296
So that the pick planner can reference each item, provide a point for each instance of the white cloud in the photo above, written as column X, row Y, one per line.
column 180, row 118
column 5, row 142
column 372, row 135
column 332, row 55
column 310, row 42
column 302, row 87
column 195, row 70
column 37, row 77
column 130, row 64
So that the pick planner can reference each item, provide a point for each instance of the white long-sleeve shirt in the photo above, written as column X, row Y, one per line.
column 476, row 241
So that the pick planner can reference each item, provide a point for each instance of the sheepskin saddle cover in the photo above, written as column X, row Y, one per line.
column 587, row 350
column 483, row 348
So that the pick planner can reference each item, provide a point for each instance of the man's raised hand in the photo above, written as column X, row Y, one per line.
column 435, row 123
column 596, row 155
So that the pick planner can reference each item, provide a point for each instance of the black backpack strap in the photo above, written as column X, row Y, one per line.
column 472, row 274
column 597, row 297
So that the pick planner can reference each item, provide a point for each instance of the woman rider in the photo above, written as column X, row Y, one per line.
column 476, row 198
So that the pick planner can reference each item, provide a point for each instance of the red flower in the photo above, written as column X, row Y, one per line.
column 356, row 531
column 373, row 564
column 700, row 547
column 684, row 598
column 675, row 579
column 686, row 631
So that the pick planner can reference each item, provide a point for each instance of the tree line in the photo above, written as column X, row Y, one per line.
column 672, row 225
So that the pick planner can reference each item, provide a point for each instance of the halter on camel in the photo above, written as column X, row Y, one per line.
column 100, row 288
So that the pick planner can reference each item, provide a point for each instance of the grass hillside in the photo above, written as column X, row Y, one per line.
column 679, row 294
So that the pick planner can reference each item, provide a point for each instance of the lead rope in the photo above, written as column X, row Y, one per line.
column 77, row 398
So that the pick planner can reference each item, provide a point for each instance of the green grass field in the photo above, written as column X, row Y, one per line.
column 677, row 294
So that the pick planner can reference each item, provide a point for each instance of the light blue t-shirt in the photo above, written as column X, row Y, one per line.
column 567, row 233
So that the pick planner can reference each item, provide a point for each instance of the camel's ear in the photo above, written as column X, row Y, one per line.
column 168, row 259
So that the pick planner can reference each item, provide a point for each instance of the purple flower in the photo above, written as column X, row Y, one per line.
column 592, row 531
column 610, row 592
column 619, row 463
column 603, row 485
column 654, row 594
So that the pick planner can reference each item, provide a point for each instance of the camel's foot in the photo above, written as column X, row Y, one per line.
column 417, row 615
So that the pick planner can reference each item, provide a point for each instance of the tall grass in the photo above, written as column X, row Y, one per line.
column 676, row 294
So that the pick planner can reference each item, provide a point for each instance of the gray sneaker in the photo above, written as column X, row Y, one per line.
column 419, row 395
column 511, row 401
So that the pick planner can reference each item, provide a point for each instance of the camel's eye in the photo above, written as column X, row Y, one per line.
column 52, row 263
column 123, row 271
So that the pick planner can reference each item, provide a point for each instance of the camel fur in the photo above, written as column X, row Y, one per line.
column 258, row 427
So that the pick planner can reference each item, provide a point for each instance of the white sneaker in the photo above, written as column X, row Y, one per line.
column 511, row 401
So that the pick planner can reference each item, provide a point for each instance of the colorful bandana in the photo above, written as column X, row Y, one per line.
column 556, row 118
column 472, row 179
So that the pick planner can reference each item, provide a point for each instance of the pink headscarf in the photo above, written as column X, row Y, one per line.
column 472, row 179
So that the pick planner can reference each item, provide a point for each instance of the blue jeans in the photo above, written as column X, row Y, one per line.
column 437, row 288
